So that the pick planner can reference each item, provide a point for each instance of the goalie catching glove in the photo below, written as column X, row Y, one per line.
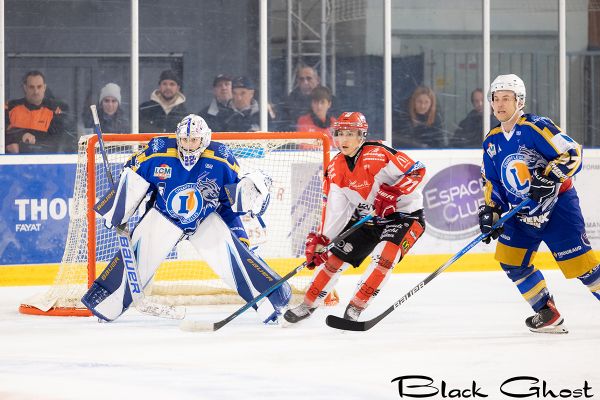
column 251, row 194
column 488, row 216
column 315, row 255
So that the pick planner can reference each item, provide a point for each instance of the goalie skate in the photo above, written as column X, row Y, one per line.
column 547, row 320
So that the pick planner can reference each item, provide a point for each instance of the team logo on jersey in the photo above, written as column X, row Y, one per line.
column 515, row 175
column 209, row 190
column 491, row 150
column 185, row 203
column 163, row 171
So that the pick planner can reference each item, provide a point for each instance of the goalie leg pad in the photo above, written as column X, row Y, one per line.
column 153, row 239
column 238, row 266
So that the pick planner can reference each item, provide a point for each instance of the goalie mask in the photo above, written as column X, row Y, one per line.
column 510, row 82
column 193, row 137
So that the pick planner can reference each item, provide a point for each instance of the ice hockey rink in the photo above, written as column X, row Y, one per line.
column 462, row 327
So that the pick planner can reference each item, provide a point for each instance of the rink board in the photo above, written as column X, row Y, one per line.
column 35, row 205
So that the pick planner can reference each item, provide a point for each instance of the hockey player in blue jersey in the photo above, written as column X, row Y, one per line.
column 529, row 156
column 197, row 196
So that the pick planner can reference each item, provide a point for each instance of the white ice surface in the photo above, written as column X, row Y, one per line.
column 461, row 327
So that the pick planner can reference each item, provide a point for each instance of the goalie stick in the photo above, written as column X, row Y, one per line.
column 132, row 275
column 197, row 326
column 348, row 325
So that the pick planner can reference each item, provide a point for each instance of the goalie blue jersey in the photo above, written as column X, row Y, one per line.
column 188, row 197
column 508, row 160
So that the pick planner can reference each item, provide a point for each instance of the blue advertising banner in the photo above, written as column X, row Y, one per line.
column 35, row 202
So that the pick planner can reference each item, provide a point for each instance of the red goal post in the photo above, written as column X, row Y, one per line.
column 295, row 160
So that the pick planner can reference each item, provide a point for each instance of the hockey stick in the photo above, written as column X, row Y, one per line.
column 347, row 325
column 194, row 326
column 132, row 274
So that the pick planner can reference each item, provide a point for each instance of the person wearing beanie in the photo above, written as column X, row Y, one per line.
column 218, row 110
column 110, row 113
column 166, row 106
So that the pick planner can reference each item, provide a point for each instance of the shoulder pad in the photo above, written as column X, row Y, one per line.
column 541, row 123
column 494, row 131
column 160, row 144
column 220, row 150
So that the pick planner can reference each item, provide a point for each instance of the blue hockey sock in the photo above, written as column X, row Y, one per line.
column 591, row 279
column 531, row 284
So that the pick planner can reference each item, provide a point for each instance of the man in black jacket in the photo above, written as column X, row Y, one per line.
column 166, row 106
column 470, row 130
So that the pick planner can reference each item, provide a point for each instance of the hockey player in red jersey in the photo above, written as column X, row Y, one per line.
column 363, row 177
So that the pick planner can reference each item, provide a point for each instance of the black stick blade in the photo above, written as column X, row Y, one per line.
column 345, row 324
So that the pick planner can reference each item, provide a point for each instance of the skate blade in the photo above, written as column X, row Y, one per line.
column 556, row 329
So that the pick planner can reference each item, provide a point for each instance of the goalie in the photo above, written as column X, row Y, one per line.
column 196, row 195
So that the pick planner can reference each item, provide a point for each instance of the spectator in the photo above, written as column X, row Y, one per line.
column 245, row 115
column 166, row 106
column 470, row 130
column 37, row 123
column 218, row 110
column 298, row 101
column 421, row 125
column 319, row 119
column 111, row 115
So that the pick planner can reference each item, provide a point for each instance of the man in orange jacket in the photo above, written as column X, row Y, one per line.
column 35, row 123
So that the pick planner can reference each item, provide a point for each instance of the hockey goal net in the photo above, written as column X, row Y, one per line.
column 295, row 162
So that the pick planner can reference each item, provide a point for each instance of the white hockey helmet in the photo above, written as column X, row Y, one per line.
column 193, row 137
column 512, row 83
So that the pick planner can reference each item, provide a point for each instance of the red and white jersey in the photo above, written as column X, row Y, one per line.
column 351, row 184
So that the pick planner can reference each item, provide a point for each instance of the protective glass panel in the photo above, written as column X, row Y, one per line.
column 78, row 47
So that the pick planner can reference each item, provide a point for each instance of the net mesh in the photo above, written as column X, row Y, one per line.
column 293, row 160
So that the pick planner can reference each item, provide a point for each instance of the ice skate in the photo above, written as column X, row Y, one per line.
column 352, row 312
column 547, row 320
column 298, row 313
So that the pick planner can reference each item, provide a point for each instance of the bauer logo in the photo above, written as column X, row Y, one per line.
column 163, row 172
column 452, row 198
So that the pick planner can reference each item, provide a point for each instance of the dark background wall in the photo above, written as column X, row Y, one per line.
column 80, row 45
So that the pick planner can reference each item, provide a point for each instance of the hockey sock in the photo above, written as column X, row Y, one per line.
column 385, row 256
column 531, row 284
column 591, row 279
column 326, row 277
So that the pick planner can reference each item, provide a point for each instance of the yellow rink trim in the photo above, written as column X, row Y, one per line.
column 44, row 274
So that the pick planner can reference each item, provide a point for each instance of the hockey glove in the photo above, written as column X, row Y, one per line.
column 386, row 199
column 488, row 216
column 543, row 189
column 314, row 246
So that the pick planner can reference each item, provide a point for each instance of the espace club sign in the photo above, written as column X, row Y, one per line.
column 452, row 198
